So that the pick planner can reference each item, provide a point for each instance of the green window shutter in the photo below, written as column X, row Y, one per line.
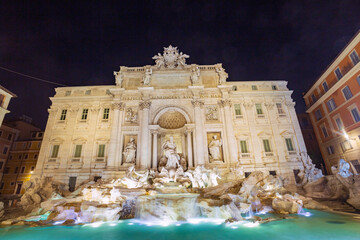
column 55, row 151
column 63, row 114
column 106, row 113
column 258, row 108
column 289, row 144
column 237, row 109
column 243, row 146
column 266, row 145
column 78, row 151
column 101, row 152
column 84, row 114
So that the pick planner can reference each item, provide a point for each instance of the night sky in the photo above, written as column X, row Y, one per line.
column 79, row 43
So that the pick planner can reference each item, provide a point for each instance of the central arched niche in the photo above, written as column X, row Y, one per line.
column 171, row 119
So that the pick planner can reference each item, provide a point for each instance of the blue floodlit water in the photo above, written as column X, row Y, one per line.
column 321, row 225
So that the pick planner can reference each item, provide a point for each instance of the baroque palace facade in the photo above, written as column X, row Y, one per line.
column 99, row 131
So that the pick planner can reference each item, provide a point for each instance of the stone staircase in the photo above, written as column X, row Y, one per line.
column 340, row 206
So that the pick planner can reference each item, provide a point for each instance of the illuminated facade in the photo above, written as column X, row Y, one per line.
column 99, row 131
column 333, row 103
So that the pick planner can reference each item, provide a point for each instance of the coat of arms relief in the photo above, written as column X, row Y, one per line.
column 171, row 58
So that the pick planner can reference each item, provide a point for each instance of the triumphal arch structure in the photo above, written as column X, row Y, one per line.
column 168, row 113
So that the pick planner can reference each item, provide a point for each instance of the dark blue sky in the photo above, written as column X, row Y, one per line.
column 83, row 42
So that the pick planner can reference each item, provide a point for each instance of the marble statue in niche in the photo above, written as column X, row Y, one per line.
column 211, row 113
column 130, row 115
column 173, row 158
column 130, row 151
column 214, row 149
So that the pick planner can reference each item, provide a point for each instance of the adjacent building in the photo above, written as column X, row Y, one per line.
column 22, row 141
column 333, row 103
column 154, row 113
column 311, row 143
column 5, row 96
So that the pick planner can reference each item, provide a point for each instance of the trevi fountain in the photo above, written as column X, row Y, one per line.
column 202, row 172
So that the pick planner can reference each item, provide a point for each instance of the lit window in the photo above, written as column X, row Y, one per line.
column 273, row 87
column 339, row 123
column 243, row 146
column 355, row 114
column 258, row 109
column 347, row 93
column 324, row 131
column 354, row 57
column 55, row 151
column 84, row 114
column 63, row 114
column 331, row 105
column 87, row 92
column 237, row 109
column 318, row 114
column 77, row 153
column 106, row 113
column 330, row 150
column 289, row 144
column 325, row 86
column 101, row 152
column 338, row 73
column 266, row 143
column 254, row 87
column 279, row 108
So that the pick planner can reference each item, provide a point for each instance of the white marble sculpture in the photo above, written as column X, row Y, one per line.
column 171, row 58
column 214, row 149
column 115, row 195
column 131, row 115
column 222, row 74
column 133, row 179
column 147, row 77
column 343, row 169
column 118, row 78
column 173, row 158
column 130, row 151
column 211, row 113
column 214, row 175
column 195, row 75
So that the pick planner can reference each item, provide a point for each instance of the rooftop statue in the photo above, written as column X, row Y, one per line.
column 171, row 58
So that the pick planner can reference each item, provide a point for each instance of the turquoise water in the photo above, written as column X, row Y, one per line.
column 321, row 225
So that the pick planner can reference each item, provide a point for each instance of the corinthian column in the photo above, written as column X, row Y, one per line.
column 189, row 148
column 145, row 160
column 116, row 126
column 232, row 147
column 199, row 131
column 154, row 160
